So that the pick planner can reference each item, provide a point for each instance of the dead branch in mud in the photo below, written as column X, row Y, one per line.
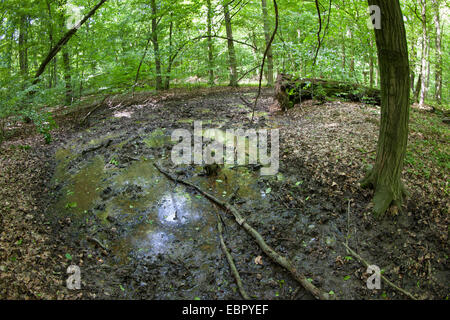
column 276, row 257
column 105, row 144
column 233, row 268
column 366, row 264
column 95, row 108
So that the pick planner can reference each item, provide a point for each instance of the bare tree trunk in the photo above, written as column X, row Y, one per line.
column 23, row 46
column 265, row 15
column 169, row 64
column 156, row 46
column 385, row 177
column 210, row 44
column 438, row 67
column 231, row 51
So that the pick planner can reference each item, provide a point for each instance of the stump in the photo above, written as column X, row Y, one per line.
column 290, row 91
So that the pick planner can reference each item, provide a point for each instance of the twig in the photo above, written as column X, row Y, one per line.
column 277, row 258
column 366, row 264
column 97, row 242
column 233, row 268
column 348, row 222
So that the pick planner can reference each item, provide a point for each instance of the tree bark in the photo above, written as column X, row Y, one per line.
column 385, row 177
column 265, row 15
column 156, row 46
column 371, row 66
column 231, row 50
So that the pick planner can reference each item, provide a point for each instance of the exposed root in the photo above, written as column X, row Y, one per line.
column 384, row 196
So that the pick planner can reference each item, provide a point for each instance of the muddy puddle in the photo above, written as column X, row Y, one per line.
column 142, row 217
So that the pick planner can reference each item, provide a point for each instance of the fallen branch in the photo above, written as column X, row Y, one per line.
column 233, row 268
column 366, row 264
column 97, row 106
column 277, row 258
column 96, row 242
column 104, row 144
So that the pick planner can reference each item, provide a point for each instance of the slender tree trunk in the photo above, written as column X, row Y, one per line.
column 210, row 44
column 371, row 66
column 66, row 64
column 418, row 88
column 52, row 71
column 9, row 53
column 140, row 63
column 385, row 177
column 425, row 48
column 438, row 67
column 23, row 46
column 231, row 51
column 169, row 64
column 265, row 15
column 156, row 46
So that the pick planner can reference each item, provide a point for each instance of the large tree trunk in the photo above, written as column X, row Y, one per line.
column 231, row 51
column 156, row 46
column 210, row 44
column 438, row 67
column 385, row 177
column 425, row 49
column 265, row 15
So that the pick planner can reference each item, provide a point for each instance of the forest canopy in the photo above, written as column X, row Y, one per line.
column 142, row 45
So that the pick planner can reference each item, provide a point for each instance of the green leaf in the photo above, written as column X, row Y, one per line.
column 68, row 256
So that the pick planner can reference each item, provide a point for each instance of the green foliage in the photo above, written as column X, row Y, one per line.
column 106, row 52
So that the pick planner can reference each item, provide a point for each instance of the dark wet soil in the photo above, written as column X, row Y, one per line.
column 160, row 238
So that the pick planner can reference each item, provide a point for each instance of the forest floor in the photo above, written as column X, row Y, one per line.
column 159, row 239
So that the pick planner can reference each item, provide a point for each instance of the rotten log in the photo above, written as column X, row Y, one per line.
column 290, row 91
